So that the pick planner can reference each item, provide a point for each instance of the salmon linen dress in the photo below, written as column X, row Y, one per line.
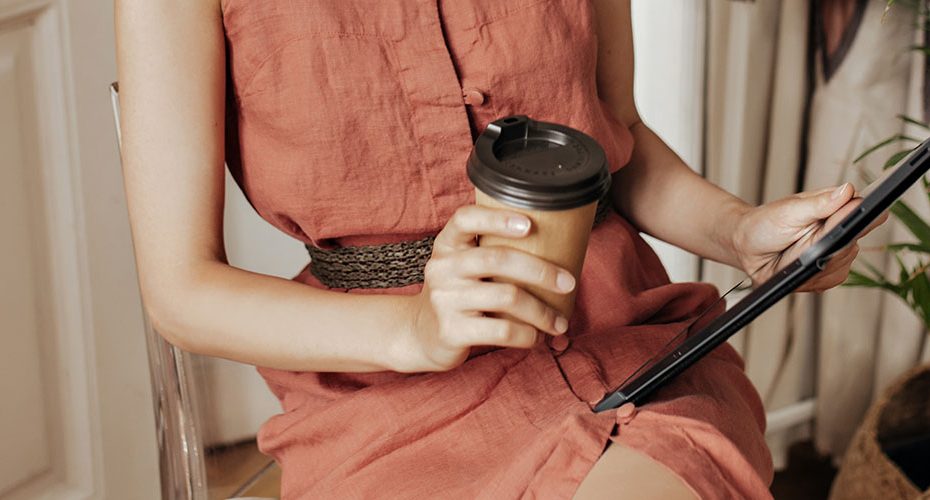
column 349, row 123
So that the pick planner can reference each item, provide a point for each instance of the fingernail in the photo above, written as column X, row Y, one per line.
column 561, row 324
column 565, row 281
column 838, row 192
column 518, row 224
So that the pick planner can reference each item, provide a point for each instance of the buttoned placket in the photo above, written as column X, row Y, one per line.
column 558, row 344
column 433, row 89
column 473, row 97
column 431, row 76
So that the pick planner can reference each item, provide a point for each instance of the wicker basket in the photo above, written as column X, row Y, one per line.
column 867, row 471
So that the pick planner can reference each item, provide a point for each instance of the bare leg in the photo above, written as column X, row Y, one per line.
column 622, row 472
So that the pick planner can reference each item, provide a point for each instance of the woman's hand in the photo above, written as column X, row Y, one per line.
column 770, row 236
column 447, row 317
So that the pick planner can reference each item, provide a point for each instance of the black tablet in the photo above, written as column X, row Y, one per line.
column 659, row 371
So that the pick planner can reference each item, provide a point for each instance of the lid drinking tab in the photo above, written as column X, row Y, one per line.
column 539, row 165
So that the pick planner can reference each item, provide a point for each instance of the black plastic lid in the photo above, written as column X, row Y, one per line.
column 532, row 164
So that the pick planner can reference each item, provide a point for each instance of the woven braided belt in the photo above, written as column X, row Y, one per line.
column 390, row 265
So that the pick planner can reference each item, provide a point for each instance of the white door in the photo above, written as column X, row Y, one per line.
column 75, row 405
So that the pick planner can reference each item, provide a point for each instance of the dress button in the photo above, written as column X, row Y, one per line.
column 625, row 413
column 473, row 97
column 559, row 343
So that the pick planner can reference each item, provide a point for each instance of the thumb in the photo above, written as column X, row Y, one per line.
column 822, row 205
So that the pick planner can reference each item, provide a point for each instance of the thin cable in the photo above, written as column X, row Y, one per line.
column 739, row 286
column 673, row 340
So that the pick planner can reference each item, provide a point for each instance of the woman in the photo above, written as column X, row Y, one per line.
column 347, row 124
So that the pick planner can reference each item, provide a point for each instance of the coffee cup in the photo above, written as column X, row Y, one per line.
column 553, row 174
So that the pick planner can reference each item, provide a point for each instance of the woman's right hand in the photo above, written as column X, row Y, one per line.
column 447, row 317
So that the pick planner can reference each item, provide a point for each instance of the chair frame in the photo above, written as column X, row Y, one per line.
column 181, row 461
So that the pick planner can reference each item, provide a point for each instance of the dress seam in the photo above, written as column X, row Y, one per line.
column 684, row 435
column 603, row 439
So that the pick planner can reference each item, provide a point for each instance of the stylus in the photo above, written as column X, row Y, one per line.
column 725, row 325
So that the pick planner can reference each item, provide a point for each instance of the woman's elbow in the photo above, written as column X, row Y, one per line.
column 167, row 313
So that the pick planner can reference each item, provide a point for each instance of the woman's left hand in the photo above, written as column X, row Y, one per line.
column 773, row 235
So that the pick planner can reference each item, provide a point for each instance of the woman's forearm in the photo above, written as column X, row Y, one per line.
column 661, row 196
column 222, row 311
column 657, row 192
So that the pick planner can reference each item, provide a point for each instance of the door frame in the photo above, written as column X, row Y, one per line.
column 100, row 420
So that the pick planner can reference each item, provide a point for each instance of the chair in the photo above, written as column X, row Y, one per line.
column 178, row 400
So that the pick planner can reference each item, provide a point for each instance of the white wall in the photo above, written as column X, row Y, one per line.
column 669, row 44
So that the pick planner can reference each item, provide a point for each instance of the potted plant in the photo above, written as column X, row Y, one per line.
column 889, row 452
column 912, row 284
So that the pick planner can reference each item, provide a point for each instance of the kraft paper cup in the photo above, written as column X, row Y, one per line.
column 553, row 174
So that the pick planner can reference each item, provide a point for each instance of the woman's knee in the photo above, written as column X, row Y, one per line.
column 623, row 472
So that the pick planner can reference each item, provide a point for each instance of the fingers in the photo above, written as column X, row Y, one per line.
column 823, row 283
column 817, row 192
column 881, row 219
column 455, row 297
column 848, row 208
column 842, row 260
column 841, row 214
column 508, row 299
column 836, row 198
column 835, row 273
column 471, row 220
column 818, row 205
column 511, row 264
column 837, row 216
column 498, row 332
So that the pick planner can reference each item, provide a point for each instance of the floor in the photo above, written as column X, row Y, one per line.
column 241, row 470
column 807, row 477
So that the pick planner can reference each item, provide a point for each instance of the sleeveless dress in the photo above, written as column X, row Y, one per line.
column 349, row 123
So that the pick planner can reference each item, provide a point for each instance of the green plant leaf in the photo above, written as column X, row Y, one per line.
column 896, row 158
column 913, row 247
column 921, row 289
column 856, row 278
column 903, row 274
column 893, row 139
column 878, row 275
column 877, row 280
column 859, row 280
column 914, row 121
column 912, row 221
